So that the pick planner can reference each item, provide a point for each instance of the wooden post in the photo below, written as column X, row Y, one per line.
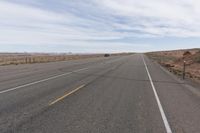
column 184, row 64
column 26, row 60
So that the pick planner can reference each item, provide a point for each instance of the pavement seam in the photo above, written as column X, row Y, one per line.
column 50, row 78
column 40, row 81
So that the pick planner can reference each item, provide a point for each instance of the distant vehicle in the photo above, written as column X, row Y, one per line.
column 106, row 55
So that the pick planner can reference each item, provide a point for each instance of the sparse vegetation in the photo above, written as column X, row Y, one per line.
column 15, row 59
column 197, row 59
column 27, row 58
column 173, row 61
column 187, row 53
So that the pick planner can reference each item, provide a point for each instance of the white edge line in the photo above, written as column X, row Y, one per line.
column 43, row 80
column 166, row 123
column 39, row 81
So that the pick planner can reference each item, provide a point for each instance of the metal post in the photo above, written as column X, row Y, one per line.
column 184, row 64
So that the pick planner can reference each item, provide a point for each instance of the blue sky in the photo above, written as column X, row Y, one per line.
column 83, row 26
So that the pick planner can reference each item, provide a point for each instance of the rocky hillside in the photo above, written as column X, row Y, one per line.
column 173, row 60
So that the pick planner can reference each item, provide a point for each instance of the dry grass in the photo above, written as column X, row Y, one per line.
column 26, row 58
column 9, row 59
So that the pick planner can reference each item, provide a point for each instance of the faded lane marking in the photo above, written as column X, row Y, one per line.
column 67, row 94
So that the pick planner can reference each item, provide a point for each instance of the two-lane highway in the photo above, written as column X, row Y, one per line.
column 122, row 94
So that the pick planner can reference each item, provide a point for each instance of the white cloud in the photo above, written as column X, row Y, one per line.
column 25, row 25
column 180, row 17
column 79, row 22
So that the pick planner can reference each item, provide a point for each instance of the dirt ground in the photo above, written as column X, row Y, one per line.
column 30, row 58
column 174, row 60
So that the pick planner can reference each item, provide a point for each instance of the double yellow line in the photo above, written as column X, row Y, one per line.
column 67, row 94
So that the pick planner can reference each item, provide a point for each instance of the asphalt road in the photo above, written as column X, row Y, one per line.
column 122, row 94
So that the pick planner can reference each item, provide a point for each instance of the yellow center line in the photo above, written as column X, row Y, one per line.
column 67, row 94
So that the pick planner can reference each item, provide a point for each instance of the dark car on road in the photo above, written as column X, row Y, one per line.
column 106, row 55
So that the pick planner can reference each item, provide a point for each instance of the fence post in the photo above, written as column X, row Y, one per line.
column 184, row 65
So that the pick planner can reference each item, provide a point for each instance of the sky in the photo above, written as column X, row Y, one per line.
column 98, row 26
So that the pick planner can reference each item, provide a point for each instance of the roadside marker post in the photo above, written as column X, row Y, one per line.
column 184, row 65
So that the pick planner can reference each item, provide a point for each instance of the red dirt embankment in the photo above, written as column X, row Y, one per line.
column 173, row 60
